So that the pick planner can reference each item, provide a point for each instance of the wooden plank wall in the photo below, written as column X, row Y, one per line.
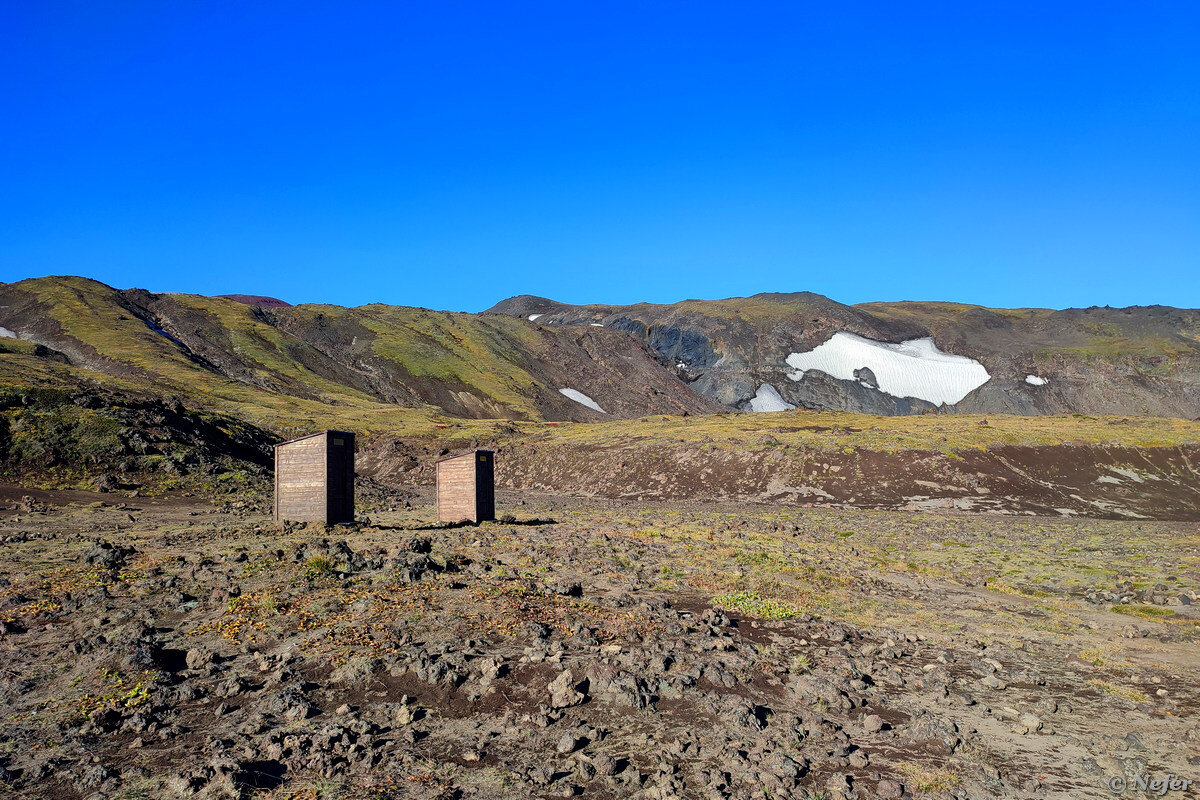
column 456, row 489
column 300, row 480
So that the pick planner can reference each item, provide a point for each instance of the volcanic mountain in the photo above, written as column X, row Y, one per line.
column 778, row 351
column 371, row 357
column 531, row 358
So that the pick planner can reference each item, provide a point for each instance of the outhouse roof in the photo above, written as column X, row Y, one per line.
column 464, row 455
column 311, row 435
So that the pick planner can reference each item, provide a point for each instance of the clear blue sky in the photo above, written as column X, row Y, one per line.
column 450, row 154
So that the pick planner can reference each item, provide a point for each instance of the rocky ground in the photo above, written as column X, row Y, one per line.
column 175, row 647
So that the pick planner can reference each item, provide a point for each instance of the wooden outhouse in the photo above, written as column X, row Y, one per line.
column 314, row 478
column 466, row 488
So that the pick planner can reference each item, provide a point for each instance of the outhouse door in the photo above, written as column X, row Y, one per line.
column 341, row 478
column 485, row 487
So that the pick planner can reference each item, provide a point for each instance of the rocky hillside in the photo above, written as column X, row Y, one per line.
column 774, row 351
column 226, row 352
column 534, row 359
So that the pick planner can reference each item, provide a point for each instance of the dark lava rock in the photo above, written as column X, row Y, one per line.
column 107, row 555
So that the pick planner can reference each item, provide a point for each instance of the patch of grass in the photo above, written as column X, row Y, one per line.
column 835, row 430
column 1120, row 691
column 755, row 605
column 1144, row 611
column 119, row 691
column 922, row 780
column 1096, row 656
column 316, row 568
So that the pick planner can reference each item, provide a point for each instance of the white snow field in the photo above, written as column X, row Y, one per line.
column 916, row 368
column 767, row 399
column 533, row 317
column 583, row 399
column 7, row 334
column 1034, row 380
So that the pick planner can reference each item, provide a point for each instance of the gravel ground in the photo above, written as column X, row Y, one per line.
column 172, row 647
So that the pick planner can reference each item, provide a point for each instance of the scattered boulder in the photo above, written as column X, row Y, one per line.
column 888, row 789
column 106, row 483
column 564, row 692
column 198, row 658
column 107, row 555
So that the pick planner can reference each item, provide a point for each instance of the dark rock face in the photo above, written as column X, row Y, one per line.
column 820, row 391
column 866, row 376
column 683, row 346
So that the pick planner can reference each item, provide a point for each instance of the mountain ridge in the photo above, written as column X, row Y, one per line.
column 464, row 365
column 526, row 356
column 1137, row 360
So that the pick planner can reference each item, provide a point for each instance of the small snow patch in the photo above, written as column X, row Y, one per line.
column 1132, row 475
column 533, row 317
column 7, row 334
column 582, row 399
column 916, row 368
column 767, row 399
column 1034, row 380
column 595, row 324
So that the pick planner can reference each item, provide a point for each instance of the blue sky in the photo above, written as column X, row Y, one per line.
column 453, row 154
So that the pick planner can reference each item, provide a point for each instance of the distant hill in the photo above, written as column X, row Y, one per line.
column 223, row 352
column 805, row 350
column 531, row 358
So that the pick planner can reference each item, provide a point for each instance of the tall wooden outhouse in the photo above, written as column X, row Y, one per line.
column 314, row 478
column 466, row 487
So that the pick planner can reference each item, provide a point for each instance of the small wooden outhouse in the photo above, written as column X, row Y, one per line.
column 466, row 488
column 314, row 478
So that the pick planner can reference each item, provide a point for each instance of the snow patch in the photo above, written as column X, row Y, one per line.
column 7, row 334
column 1034, row 380
column 767, row 399
column 582, row 399
column 596, row 324
column 533, row 317
column 1132, row 475
column 916, row 368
